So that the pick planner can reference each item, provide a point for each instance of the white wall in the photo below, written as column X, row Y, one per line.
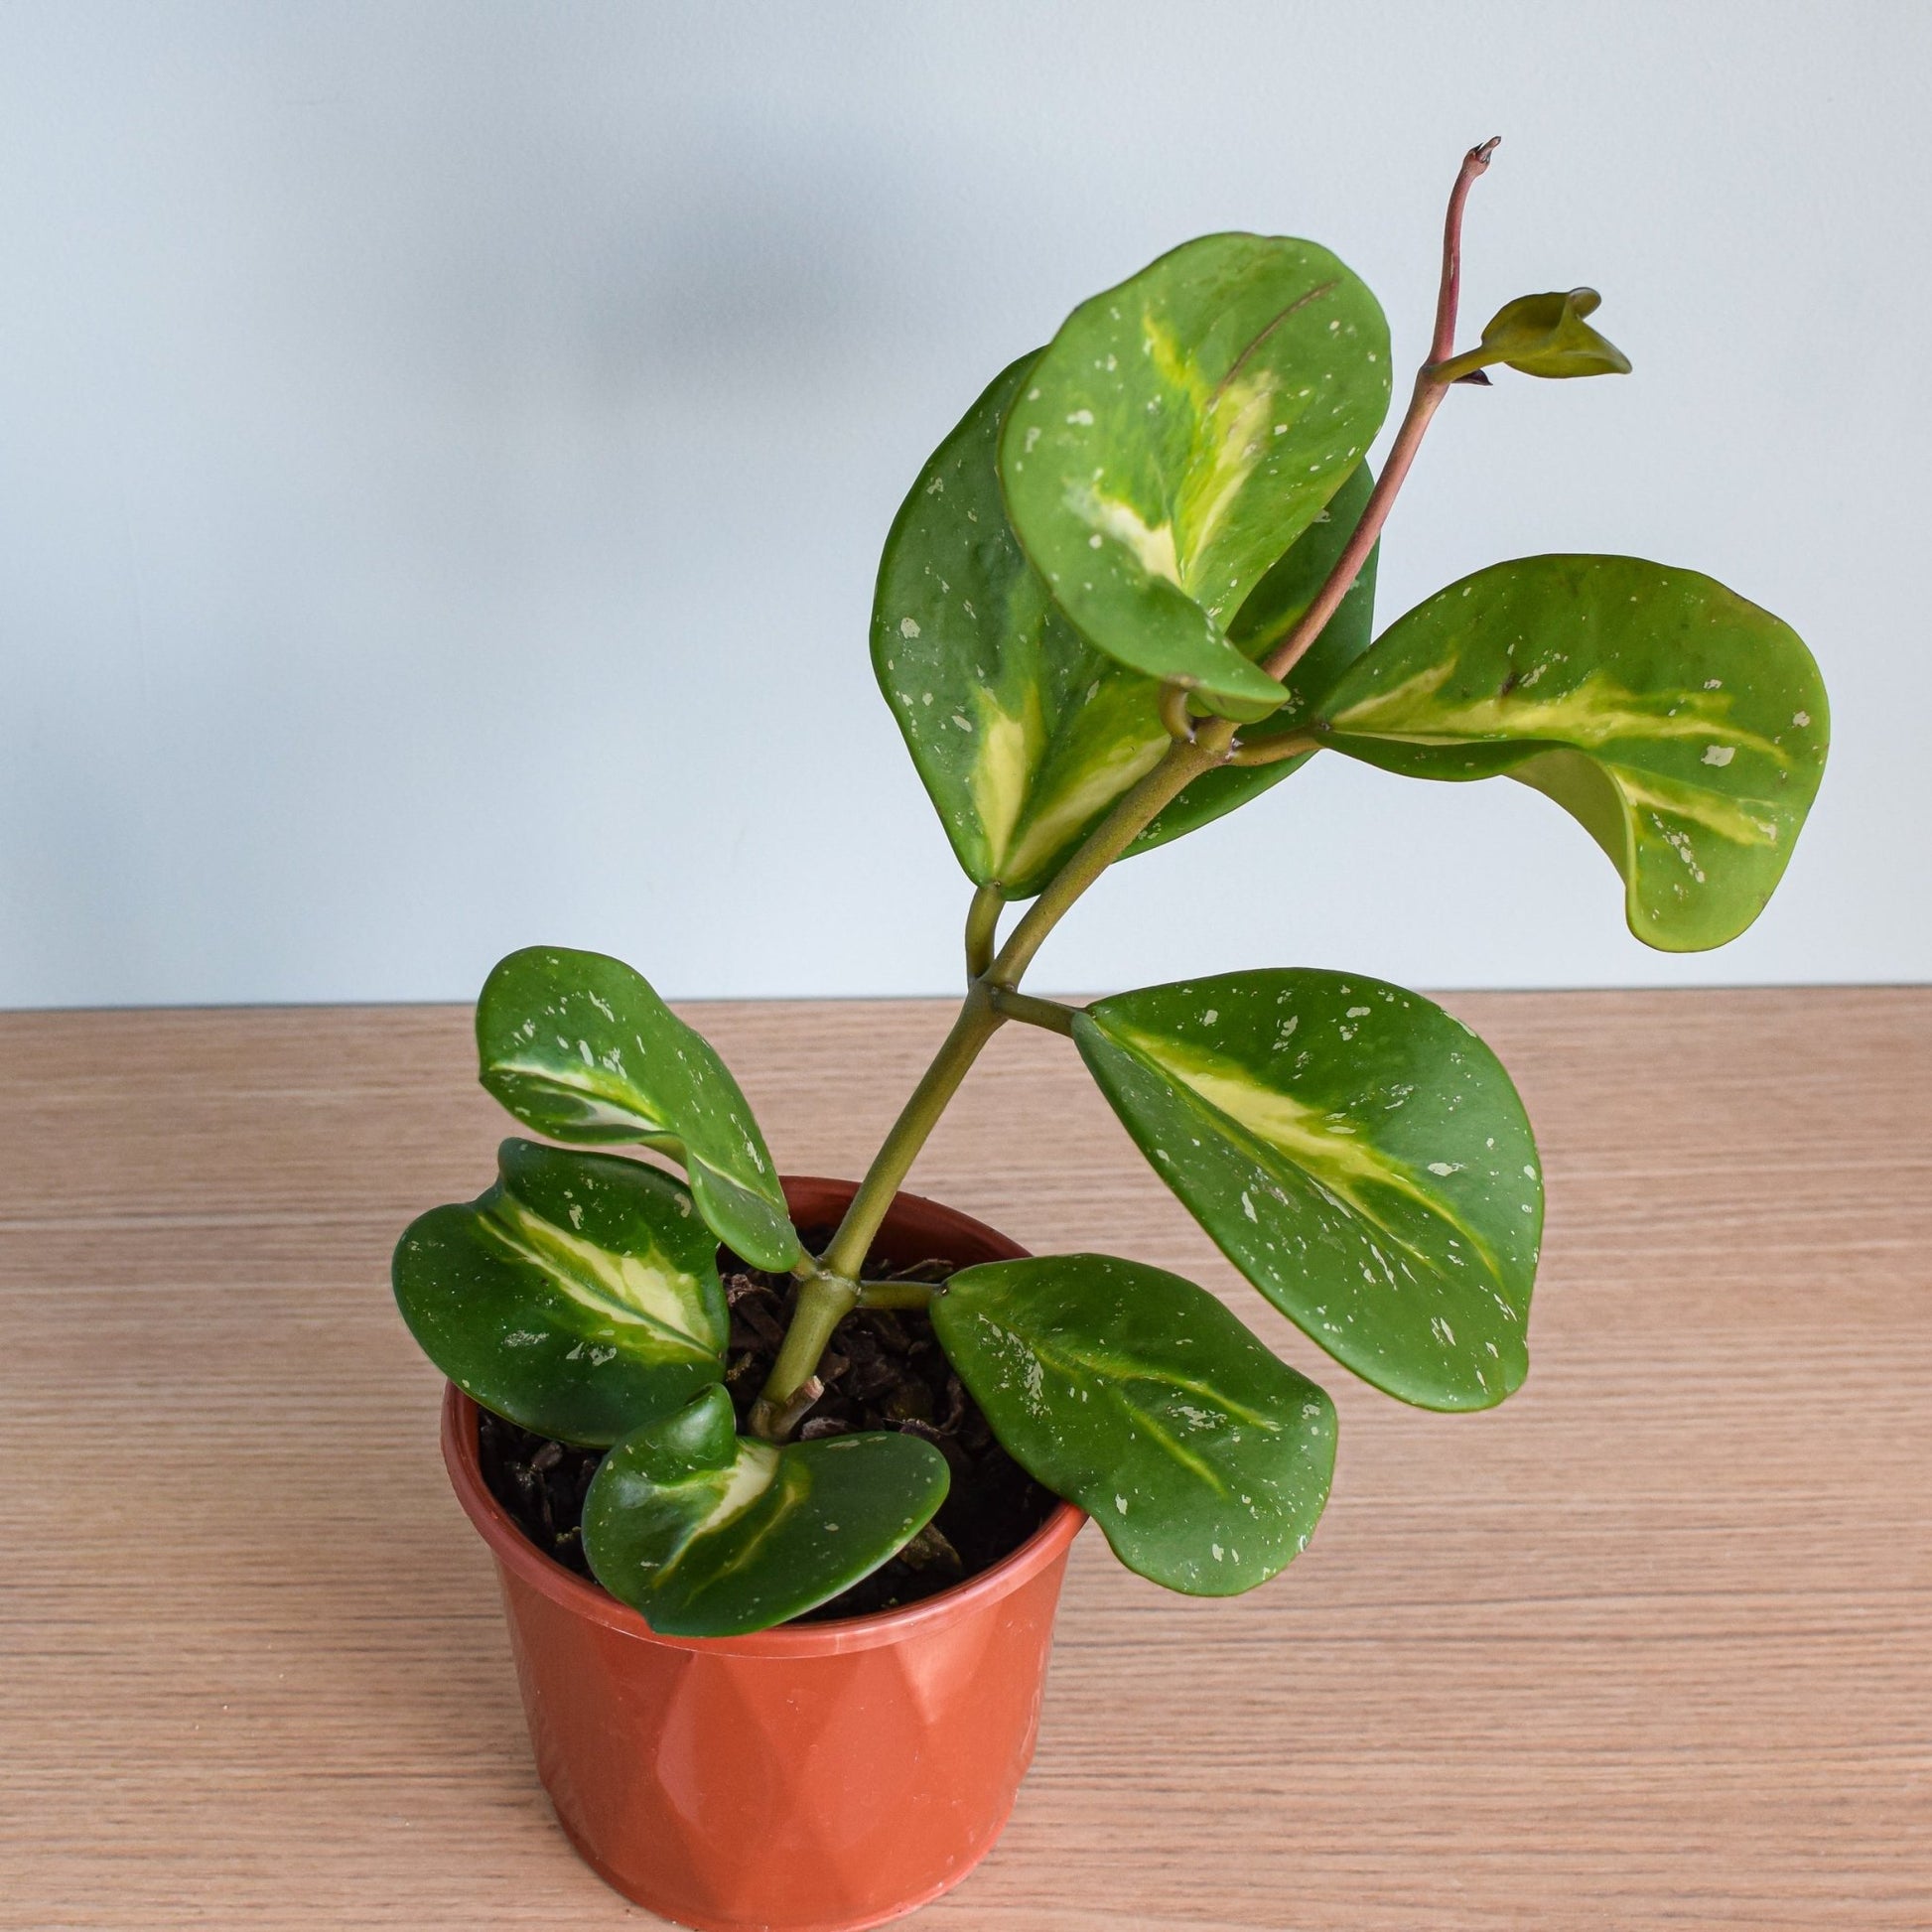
column 445, row 448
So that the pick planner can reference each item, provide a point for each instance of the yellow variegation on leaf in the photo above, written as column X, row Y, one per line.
column 1357, row 1153
column 579, row 1297
column 579, row 1047
column 1204, row 1459
column 710, row 1533
column 1178, row 434
column 1682, row 727
column 1022, row 733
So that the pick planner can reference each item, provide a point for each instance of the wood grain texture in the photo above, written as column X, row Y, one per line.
column 1649, row 1646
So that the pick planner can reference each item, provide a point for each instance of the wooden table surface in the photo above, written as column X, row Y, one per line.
column 1650, row 1645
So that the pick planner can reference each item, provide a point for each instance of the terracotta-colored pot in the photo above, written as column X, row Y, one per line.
column 818, row 1777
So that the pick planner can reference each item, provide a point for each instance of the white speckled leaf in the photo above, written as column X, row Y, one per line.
column 710, row 1533
column 1682, row 727
column 1359, row 1155
column 579, row 1297
column 1203, row 1457
column 1022, row 731
column 1178, row 434
column 578, row 1046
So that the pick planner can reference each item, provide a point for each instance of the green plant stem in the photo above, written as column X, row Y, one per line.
column 897, row 1295
column 773, row 1421
column 1049, row 1013
column 1460, row 369
column 826, row 1297
column 976, row 1025
column 978, row 1017
column 983, row 928
column 1130, row 816
column 1271, row 751
column 823, row 1303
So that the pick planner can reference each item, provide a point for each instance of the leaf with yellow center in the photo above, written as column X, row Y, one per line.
column 1357, row 1153
column 579, row 1297
column 712, row 1535
column 1682, row 727
column 579, row 1047
column 1178, row 435
column 1022, row 733
column 1204, row 1459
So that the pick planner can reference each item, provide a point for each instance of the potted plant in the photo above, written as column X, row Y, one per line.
column 782, row 1475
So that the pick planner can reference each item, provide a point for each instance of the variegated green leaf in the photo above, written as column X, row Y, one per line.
column 1204, row 1458
column 579, row 1297
column 1682, row 727
column 1178, row 434
column 1359, row 1155
column 710, row 1533
column 579, row 1047
column 1024, row 733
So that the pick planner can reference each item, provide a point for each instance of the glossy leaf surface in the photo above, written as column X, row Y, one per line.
column 1178, row 434
column 1359, row 1155
column 710, row 1533
column 1022, row 731
column 1203, row 1457
column 1547, row 335
column 1682, row 727
column 579, row 1297
column 578, row 1046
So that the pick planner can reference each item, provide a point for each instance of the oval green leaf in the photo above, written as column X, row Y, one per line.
column 579, row 1297
column 1178, row 434
column 578, row 1046
column 1359, row 1155
column 1682, row 727
column 710, row 1533
column 1547, row 335
column 1024, row 733
column 1203, row 1457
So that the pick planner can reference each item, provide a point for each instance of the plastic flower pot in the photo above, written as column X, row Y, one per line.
column 817, row 1777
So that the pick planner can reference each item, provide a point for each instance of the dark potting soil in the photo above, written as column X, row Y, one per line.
column 883, row 1369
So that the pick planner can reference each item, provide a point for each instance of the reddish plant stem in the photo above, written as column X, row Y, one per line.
column 1430, row 389
column 1442, row 344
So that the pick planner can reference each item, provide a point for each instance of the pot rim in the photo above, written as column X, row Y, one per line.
column 590, row 1601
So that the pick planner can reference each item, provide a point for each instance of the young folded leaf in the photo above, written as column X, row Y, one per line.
column 1203, row 1457
column 1359, row 1155
column 1024, row 733
column 711, row 1535
column 579, row 1047
column 579, row 1297
column 1547, row 335
column 1178, row 434
column 1684, row 728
